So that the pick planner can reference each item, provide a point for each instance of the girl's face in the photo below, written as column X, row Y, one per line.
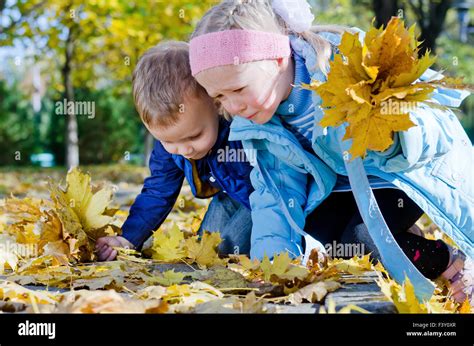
column 252, row 90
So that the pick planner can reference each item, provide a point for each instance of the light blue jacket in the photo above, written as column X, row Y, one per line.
column 432, row 163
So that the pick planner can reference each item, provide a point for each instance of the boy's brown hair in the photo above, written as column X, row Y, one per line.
column 161, row 80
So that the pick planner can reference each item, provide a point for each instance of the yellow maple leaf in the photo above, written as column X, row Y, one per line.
column 252, row 304
column 80, row 248
column 167, row 278
column 355, row 265
column 82, row 211
column 168, row 246
column 282, row 268
column 314, row 292
column 373, row 86
column 85, row 301
column 37, row 224
column 245, row 266
column 8, row 255
column 17, row 293
column 465, row 307
column 185, row 297
column 204, row 251
column 26, row 210
column 331, row 308
column 89, row 207
column 404, row 299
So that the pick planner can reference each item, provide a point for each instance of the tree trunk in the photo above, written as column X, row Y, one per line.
column 431, row 21
column 438, row 12
column 384, row 10
column 72, row 147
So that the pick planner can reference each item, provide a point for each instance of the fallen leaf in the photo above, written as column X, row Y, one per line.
column 282, row 268
column 168, row 278
column 168, row 246
column 331, row 309
column 13, row 292
column 313, row 293
column 252, row 305
column 204, row 251
column 93, row 302
column 8, row 255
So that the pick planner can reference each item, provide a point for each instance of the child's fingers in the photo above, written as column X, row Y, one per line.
column 112, row 255
column 99, row 248
column 100, row 256
column 106, row 253
column 102, row 249
column 101, row 242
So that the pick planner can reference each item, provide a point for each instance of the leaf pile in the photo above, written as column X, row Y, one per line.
column 65, row 227
column 172, row 246
column 48, row 265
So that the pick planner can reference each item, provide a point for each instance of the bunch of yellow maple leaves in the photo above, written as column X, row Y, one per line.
column 372, row 86
column 183, row 273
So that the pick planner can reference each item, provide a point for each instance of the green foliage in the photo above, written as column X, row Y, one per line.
column 344, row 12
column 456, row 57
column 107, row 39
column 115, row 129
column 16, row 126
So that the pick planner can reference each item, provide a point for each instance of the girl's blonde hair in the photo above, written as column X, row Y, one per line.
column 259, row 15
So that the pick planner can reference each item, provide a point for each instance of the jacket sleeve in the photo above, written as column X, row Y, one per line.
column 155, row 201
column 271, row 230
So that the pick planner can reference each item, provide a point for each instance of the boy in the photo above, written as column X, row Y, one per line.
column 190, row 137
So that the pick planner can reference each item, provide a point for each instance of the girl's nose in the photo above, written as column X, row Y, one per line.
column 236, row 107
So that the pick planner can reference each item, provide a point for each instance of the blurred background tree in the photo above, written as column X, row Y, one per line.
column 85, row 51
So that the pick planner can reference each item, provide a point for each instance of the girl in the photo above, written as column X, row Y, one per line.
column 249, row 56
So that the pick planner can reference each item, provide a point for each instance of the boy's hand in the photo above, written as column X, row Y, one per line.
column 104, row 247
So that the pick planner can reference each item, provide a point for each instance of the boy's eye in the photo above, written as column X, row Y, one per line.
column 238, row 90
column 196, row 136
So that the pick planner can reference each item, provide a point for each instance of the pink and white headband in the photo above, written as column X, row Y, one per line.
column 234, row 47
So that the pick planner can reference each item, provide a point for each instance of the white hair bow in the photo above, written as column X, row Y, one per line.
column 296, row 13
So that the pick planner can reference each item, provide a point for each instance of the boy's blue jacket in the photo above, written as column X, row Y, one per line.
column 161, row 188
column 432, row 163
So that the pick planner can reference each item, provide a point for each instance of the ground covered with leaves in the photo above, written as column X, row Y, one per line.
column 48, row 230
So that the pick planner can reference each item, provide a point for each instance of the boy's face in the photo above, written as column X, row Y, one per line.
column 195, row 132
